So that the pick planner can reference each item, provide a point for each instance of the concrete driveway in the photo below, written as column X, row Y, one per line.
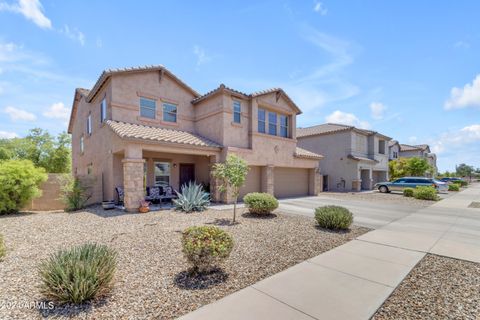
column 366, row 214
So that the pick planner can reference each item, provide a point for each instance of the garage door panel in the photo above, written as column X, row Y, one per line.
column 252, row 182
column 290, row 182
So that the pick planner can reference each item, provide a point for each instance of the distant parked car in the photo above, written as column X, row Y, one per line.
column 411, row 182
column 450, row 179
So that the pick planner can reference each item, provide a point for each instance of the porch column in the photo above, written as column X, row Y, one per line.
column 315, row 181
column 215, row 194
column 268, row 176
column 133, row 183
column 357, row 182
column 370, row 179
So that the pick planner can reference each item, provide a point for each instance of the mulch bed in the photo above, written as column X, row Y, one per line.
column 437, row 288
column 152, row 279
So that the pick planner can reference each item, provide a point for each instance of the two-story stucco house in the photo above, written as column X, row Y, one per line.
column 355, row 158
column 420, row 151
column 144, row 126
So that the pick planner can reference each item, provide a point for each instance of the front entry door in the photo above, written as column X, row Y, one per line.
column 187, row 173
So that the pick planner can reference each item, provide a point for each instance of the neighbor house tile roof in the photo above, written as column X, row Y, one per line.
column 407, row 147
column 328, row 128
column 357, row 158
column 302, row 153
column 136, row 131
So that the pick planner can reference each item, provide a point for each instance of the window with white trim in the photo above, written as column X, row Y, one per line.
column 162, row 173
column 261, row 120
column 237, row 112
column 148, row 108
column 169, row 112
column 284, row 126
column 89, row 124
column 272, row 123
column 103, row 110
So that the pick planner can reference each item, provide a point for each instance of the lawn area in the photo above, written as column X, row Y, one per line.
column 151, row 279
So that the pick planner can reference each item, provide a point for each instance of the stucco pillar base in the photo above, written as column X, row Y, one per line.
column 133, row 183
column 357, row 185
column 316, row 182
column 268, row 182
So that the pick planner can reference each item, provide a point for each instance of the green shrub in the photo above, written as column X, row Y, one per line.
column 76, row 192
column 3, row 250
column 333, row 217
column 408, row 192
column 192, row 198
column 78, row 274
column 462, row 183
column 206, row 246
column 454, row 187
column 260, row 203
column 19, row 183
column 425, row 193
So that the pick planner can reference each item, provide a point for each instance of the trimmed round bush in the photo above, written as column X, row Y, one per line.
column 425, row 193
column 260, row 203
column 205, row 247
column 408, row 192
column 333, row 217
column 78, row 274
column 454, row 187
column 3, row 250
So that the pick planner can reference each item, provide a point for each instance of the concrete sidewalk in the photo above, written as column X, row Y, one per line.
column 352, row 281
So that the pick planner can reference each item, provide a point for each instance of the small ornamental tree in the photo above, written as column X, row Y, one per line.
column 231, row 175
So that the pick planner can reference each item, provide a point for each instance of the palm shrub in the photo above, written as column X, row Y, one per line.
column 3, row 250
column 192, row 198
column 425, row 193
column 78, row 274
column 333, row 217
column 408, row 192
column 260, row 203
column 454, row 187
column 19, row 183
column 206, row 246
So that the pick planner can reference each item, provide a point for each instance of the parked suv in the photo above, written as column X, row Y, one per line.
column 450, row 179
column 411, row 182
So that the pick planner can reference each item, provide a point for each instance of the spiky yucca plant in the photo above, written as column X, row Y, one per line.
column 192, row 198
column 78, row 274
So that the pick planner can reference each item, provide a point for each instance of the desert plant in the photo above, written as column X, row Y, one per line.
column 192, row 198
column 260, row 203
column 461, row 183
column 333, row 217
column 19, row 183
column 454, row 187
column 408, row 192
column 76, row 192
column 231, row 175
column 425, row 193
column 206, row 246
column 78, row 274
column 3, row 250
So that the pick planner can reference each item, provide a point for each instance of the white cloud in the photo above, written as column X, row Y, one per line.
column 31, row 10
column 19, row 114
column 378, row 110
column 201, row 55
column 346, row 118
column 57, row 111
column 320, row 8
column 73, row 34
column 468, row 96
column 8, row 135
column 452, row 141
column 412, row 139
column 462, row 44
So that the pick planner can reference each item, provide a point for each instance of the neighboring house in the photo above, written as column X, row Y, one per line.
column 420, row 151
column 393, row 150
column 355, row 158
column 143, row 126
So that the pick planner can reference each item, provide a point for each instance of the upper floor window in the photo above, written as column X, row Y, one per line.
column 169, row 112
column 90, row 169
column 82, row 147
column 261, row 120
column 381, row 146
column 89, row 124
column 284, row 126
column 103, row 110
column 237, row 111
column 148, row 108
column 395, row 154
column 272, row 123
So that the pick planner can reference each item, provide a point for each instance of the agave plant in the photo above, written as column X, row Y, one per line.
column 192, row 198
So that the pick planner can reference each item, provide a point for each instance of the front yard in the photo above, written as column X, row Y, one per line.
column 151, row 279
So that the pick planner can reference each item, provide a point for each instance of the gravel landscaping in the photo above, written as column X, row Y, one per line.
column 393, row 197
column 437, row 288
column 152, row 279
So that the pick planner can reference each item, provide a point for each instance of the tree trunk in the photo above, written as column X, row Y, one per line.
column 234, row 209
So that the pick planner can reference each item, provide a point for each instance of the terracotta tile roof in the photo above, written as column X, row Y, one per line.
column 136, row 131
column 221, row 87
column 83, row 91
column 302, row 153
column 328, row 128
column 357, row 158
column 407, row 147
column 391, row 143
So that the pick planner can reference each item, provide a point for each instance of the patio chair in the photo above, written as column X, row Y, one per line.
column 120, row 194
column 169, row 193
column 154, row 194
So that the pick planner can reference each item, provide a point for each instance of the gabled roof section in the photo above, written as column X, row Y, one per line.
column 302, row 153
column 221, row 88
column 391, row 143
column 418, row 147
column 280, row 93
column 79, row 93
column 330, row 128
column 109, row 72
column 140, row 132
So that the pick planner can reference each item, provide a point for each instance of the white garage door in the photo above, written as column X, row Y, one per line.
column 290, row 182
column 252, row 183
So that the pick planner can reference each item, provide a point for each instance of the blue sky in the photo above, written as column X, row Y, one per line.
column 408, row 69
